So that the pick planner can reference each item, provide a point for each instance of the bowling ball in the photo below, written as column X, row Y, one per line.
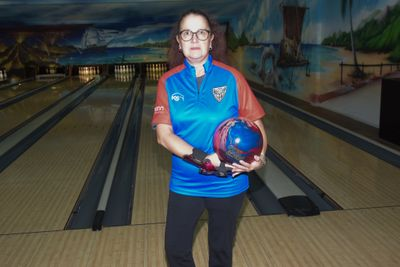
column 237, row 139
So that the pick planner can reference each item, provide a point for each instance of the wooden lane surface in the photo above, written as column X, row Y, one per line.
column 350, row 176
column 365, row 237
column 20, row 88
column 152, row 177
column 353, row 237
column 17, row 113
column 39, row 189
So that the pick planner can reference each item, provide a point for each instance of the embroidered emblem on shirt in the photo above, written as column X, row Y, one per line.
column 177, row 97
column 219, row 93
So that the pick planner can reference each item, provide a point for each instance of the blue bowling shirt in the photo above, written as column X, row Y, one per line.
column 195, row 112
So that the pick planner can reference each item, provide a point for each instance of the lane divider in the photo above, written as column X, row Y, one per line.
column 13, row 145
column 84, row 211
column 280, row 188
column 113, row 201
column 12, row 100
column 10, row 84
column 372, row 147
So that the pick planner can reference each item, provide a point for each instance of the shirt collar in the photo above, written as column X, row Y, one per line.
column 207, row 65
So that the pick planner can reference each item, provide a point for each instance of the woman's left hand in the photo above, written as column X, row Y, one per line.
column 237, row 169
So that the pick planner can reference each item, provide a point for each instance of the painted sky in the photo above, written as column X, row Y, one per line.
column 137, row 21
column 321, row 20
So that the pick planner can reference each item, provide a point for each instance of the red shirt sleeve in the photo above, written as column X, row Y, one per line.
column 249, row 107
column 161, row 107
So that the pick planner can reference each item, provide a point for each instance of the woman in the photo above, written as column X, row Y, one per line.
column 193, row 98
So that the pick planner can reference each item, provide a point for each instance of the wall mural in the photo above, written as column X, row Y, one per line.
column 37, row 35
column 311, row 49
column 315, row 50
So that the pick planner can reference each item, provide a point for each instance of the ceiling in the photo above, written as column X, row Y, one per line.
column 111, row 13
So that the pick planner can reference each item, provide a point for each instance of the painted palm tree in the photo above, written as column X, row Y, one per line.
column 344, row 4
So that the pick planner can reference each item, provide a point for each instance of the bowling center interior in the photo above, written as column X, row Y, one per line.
column 83, row 181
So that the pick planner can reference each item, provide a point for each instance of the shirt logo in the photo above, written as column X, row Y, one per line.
column 177, row 97
column 219, row 93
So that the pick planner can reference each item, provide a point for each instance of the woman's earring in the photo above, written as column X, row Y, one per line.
column 210, row 48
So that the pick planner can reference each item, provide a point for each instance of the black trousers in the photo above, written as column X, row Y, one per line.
column 182, row 217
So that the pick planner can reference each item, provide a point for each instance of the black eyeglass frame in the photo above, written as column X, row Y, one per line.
column 193, row 34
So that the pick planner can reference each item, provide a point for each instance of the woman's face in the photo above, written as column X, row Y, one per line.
column 195, row 50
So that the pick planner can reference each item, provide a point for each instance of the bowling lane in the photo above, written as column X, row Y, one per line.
column 350, row 176
column 17, row 113
column 20, row 88
column 38, row 191
column 153, row 170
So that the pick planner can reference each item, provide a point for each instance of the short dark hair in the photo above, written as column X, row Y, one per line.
column 175, row 57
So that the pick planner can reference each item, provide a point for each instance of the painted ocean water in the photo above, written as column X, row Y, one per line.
column 114, row 56
column 322, row 59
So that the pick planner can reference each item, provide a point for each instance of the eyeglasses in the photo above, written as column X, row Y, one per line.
column 187, row 35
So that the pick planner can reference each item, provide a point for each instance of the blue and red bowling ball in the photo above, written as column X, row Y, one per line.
column 237, row 139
